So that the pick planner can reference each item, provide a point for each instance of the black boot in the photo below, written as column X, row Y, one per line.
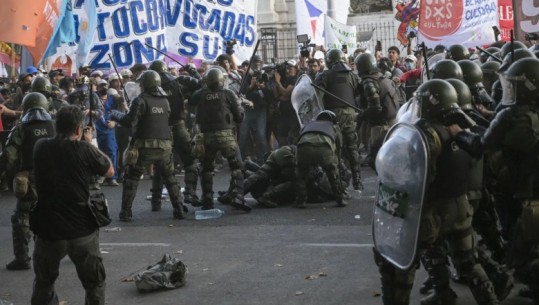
column 426, row 287
column 440, row 297
column 19, row 264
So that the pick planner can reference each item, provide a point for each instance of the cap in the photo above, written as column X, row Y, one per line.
column 411, row 57
column 292, row 63
column 31, row 70
column 24, row 75
column 102, row 82
column 126, row 72
column 113, row 76
column 112, row 91
column 97, row 73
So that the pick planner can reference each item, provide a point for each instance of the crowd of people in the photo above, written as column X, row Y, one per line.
column 479, row 110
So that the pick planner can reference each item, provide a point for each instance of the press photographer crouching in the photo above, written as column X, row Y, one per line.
column 62, row 220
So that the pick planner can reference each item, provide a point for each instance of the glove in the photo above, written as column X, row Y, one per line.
column 116, row 115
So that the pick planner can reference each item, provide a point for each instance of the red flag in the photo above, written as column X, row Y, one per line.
column 19, row 21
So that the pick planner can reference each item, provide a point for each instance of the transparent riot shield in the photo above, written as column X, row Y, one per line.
column 402, row 175
column 305, row 100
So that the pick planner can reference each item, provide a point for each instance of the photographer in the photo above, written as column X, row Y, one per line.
column 287, row 125
column 61, row 220
column 259, row 93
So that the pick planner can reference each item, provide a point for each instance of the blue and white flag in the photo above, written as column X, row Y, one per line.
column 87, row 27
column 64, row 32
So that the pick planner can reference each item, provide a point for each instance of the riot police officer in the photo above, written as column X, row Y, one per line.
column 35, row 124
column 339, row 80
column 218, row 112
column 514, row 132
column 178, row 89
column 381, row 100
column 446, row 213
column 319, row 144
column 473, row 77
column 148, row 117
column 43, row 85
column 457, row 52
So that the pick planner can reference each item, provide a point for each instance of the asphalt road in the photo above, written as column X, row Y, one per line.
column 320, row 255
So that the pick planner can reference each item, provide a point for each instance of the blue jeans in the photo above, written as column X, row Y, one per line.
column 106, row 141
column 255, row 120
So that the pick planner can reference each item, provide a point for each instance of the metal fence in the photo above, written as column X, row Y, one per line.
column 280, row 44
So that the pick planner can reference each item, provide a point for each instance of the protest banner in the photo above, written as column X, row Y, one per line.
column 194, row 30
column 526, row 15
column 338, row 34
column 468, row 22
column 505, row 10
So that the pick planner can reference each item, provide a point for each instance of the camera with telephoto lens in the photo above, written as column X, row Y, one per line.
column 261, row 76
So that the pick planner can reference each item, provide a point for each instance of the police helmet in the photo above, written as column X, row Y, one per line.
column 510, row 58
column 506, row 48
column 366, row 64
column 333, row 56
column 214, row 79
column 327, row 115
column 523, row 80
column 445, row 69
column 471, row 72
column 464, row 94
column 149, row 80
column 436, row 97
column 34, row 100
column 257, row 58
column 457, row 52
column 490, row 73
column 159, row 66
column 483, row 57
column 42, row 85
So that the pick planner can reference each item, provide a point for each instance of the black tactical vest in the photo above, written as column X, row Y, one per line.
column 33, row 131
column 452, row 169
column 213, row 111
column 324, row 127
column 154, row 123
column 390, row 99
column 175, row 98
column 341, row 85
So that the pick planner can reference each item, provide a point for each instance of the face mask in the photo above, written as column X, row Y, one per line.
column 102, row 91
column 410, row 65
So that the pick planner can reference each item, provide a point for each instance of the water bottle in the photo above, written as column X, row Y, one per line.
column 208, row 214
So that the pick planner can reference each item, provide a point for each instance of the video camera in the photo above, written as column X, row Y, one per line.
column 266, row 74
column 304, row 42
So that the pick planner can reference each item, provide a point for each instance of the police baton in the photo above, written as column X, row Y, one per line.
column 164, row 54
column 489, row 54
column 336, row 97
column 126, row 97
column 425, row 59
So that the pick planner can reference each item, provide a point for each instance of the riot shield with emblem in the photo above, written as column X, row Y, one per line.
column 305, row 100
column 402, row 176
